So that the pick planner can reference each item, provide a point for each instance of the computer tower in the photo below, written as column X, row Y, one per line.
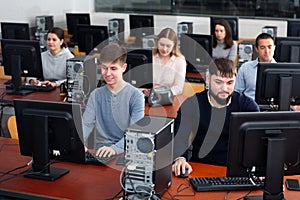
column 272, row 30
column 42, row 37
column 44, row 23
column 116, row 30
column 184, row 28
column 246, row 51
column 148, row 157
column 81, row 78
column 149, row 41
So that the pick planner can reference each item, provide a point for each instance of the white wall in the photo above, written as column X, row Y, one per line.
column 25, row 11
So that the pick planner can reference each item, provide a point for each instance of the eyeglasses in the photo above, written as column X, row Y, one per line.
column 165, row 46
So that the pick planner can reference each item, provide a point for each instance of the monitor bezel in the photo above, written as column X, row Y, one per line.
column 292, row 26
column 199, row 57
column 280, row 42
column 263, row 144
column 25, row 34
column 85, row 30
column 281, row 91
column 141, row 75
column 49, row 130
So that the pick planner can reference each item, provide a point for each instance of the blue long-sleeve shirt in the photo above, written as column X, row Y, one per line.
column 246, row 78
column 197, row 121
column 111, row 114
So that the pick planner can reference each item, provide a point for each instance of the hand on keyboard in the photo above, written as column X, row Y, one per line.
column 91, row 158
column 105, row 152
column 49, row 83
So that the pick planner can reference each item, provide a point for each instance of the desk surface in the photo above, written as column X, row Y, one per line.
column 53, row 95
column 166, row 111
column 99, row 182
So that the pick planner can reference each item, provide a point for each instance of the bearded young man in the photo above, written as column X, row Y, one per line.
column 203, row 120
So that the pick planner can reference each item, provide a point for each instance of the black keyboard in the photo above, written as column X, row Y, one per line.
column 91, row 158
column 225, row 183
column 42, row 88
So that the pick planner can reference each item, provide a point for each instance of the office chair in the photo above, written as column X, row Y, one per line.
column 12, row 127
column 189, row 89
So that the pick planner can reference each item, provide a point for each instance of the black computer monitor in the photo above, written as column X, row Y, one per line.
column 21, row 58
column 287, row 49
column 90, row 36
column 265, row 144
column 197, row 49
column 233, row 22
column 11, row 30
column 73, row 19
column 49, row 130
column 293, row 28
column 141, row 26
column 139, row 70
column 278, row 84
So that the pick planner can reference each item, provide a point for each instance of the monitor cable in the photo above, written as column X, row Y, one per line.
column 9, row 172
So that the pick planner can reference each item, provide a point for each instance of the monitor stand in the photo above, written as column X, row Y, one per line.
column 54, row 174
column 40, row 152
column 273, row 186
column 16, row 77
column 19, row 92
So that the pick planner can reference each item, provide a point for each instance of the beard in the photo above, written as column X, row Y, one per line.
column 219, row 100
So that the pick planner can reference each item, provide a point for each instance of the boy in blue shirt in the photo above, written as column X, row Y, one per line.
column 114, row 106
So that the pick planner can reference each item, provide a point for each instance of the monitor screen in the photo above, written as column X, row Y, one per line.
column 73, row 19
column 21, row 58
column 49, row 130
column 293, row 28
column 197, row 50
column 277, row 84
column 90, row 36
column 264, row 144
column 287, row 49
column 233, row 22
column 139, row 70
column 10, row 30
column 141, row 26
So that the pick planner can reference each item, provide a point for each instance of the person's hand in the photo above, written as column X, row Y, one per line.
column 48, row 83
column 105, row 152
column 180, row 165
column 34, row 82
column 85, row 149
column 146, row 92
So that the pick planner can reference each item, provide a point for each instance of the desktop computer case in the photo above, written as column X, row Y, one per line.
column 81, row 78
column 148, row 156
column 183, row 28
column 116, row 30
column 44, row 23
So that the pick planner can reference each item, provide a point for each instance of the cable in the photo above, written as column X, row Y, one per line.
column 12, row 170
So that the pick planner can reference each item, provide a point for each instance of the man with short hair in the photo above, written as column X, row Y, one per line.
column 114, row 106
column 246, row 77
column 203, row 120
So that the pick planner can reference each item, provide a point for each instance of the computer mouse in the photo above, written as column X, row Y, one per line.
column 184, row 175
